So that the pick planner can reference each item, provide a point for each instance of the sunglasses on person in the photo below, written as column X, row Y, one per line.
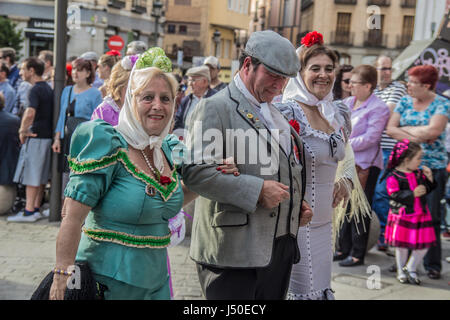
column 347, row 81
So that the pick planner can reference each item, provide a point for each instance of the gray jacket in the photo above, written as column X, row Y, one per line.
column 230, row 229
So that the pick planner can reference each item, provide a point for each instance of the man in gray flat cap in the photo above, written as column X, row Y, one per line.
column 244, row 233
column 199, row 80
column 214, row 69
column 136, row 47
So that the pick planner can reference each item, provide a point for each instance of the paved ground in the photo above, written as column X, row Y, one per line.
column 27, row 254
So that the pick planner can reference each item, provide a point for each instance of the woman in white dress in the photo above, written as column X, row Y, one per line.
column 324, row 127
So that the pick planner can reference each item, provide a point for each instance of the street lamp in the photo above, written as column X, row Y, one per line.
column 156, row 13
column 216, row 39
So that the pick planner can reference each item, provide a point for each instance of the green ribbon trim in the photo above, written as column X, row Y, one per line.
column 92, row 165
column 127, row 239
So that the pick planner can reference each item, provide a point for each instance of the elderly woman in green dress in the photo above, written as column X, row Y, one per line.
column 124, row 187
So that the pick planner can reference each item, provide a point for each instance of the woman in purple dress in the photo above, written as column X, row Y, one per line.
column 109, row 109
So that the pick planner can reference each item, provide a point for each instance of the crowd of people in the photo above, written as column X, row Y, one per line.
column 354, row 146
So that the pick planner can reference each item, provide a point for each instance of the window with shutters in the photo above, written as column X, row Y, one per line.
column 407, row 32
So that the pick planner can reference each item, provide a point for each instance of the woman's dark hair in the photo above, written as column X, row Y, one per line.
column 83, row 64
column 402, row 150
column 337, row 89
column 368, row 74
column 315, row 50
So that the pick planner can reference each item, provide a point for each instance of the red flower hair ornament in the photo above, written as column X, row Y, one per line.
column 312, row 38
column 69, row 69
column 113, row 53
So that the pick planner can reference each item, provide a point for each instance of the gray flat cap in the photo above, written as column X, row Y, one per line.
column 90, row 55
column 275, row 52
column 212, row 61
column 202, row 71
column 136, row 47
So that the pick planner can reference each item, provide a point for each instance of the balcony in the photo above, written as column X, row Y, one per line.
column 116, row 4
column 342, row 38
column 345, row 1
column 403, row 41
column 380, row 3
column 307, row 3
column 375, row 39
column 409, row 3
column 138, row 6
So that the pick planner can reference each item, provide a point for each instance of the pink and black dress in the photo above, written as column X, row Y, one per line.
column 409, row 222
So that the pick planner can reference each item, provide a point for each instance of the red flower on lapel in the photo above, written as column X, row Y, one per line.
column 295, row 125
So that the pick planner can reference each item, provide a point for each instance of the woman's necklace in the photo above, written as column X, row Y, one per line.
column 162, row 179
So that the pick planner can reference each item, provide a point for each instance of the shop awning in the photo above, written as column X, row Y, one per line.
column 39, row 33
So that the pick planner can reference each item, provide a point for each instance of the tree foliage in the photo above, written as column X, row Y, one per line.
column 10, row 36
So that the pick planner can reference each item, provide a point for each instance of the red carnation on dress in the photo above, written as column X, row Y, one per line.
column 165, row 180
column 312, row 38
column 295, row 125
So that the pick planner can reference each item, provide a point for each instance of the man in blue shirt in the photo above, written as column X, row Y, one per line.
column 8, row 92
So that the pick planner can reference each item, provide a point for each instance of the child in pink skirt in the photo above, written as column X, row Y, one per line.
column 409, row 225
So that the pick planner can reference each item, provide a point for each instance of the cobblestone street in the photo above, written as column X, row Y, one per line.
column 27, row 254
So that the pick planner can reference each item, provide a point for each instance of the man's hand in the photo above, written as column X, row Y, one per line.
column 273, row 193
column 306, row 214
column 25, row 134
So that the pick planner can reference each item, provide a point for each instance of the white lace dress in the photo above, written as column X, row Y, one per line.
column 311, row 277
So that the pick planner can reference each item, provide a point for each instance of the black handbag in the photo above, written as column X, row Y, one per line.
column 88, row 288
column 71, row 122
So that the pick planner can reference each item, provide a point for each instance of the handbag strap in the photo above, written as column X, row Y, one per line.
column 68, row 111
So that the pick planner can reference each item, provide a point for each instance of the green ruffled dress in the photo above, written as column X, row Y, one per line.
column 126, row 233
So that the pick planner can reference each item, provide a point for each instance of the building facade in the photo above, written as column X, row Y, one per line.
column 90, row 24
column 359, row 30
column 195, row 29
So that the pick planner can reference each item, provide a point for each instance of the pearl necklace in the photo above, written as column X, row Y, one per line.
column 164, row 180
column 155, row 172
